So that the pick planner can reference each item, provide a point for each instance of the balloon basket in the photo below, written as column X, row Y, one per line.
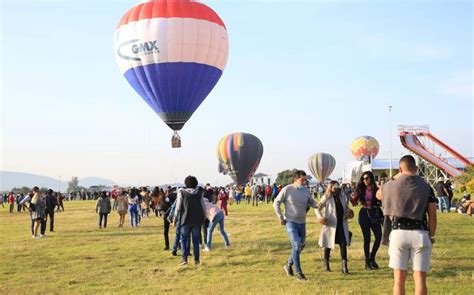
column 175, row 140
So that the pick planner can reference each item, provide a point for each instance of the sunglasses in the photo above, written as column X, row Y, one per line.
column 365, row 178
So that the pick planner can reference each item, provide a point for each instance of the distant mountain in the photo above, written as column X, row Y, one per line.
column 9, row 180
column 90, row 181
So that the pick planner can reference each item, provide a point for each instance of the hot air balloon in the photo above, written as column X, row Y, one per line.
column 365, row 148
column 239, row 154
column 172, row 52
column 321, row 165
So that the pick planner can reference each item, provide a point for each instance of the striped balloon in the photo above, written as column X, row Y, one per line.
column 172, row 52
column 364, row 148
column 239, row 155
column 321, row 165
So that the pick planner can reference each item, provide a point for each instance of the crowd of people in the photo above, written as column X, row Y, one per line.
column 400, row 213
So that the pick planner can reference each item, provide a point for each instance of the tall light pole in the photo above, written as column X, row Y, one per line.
column 390, row 138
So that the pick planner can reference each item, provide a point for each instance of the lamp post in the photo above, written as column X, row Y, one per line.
column 390, row 137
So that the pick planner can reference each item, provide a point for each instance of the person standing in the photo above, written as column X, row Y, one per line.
column 335, row 228
column 121, row 204
column 449, row 189
column 268, row 193
column 410, row 225
column 295, row 197
column 275, row 192
column 216, row 217
column 59, row 200
column 11, row 201
column 231, row 195
column 133, row 207
column 238, row 194
column 370, row 216
column 442, row 194
column 103, row 207
column 255, row 189
column 38, row 206
column 51, row 202
column 247, row 193
column 190, row 211
column 223, row 197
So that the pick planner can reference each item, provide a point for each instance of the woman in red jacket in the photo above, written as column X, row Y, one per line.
column 223, row 196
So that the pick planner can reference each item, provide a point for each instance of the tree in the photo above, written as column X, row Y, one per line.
column 73, row 185
column 285, row 177
column 465, row 181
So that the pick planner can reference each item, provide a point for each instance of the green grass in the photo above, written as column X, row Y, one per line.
column 80, row 258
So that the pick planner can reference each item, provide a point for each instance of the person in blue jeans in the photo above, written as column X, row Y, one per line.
column 296, row 198
column 177, row 237
column 442, row 195
column 216, row 217
column 133, row 207
column 190, row 211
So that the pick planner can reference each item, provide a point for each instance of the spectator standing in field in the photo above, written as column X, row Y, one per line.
column 255, row 195
column 38, row 206
column 216, row 217
column 190, row 210
column 275, row 192
column 11, row 201
column 442, row 194
column 223, row 197
column 295, row 197
column 231, row 195
column 247, row 193
column 103, row 207
column 335, row 228
column 121, row 204
column 370, row 216
column 449, row 189
column 133, row 207
column 60, row 204
column 410, row 209
column 51, row 202
column 238, row 194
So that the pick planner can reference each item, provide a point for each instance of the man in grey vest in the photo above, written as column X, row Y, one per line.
column 190, row 210
column 296, row 198
column 409, row 207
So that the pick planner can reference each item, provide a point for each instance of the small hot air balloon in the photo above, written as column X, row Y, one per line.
column 172, row 52
column 321, row 165
column 240, row 154
column 364, row 148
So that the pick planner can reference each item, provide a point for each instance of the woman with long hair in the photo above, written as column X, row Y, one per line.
column 370, row 216
column 335, row 229
column 122, row 206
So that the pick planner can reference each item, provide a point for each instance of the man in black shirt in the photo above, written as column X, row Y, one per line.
column 406, row 201
column 442, row 194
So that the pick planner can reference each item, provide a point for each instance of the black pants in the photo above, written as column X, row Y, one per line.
column 205, row 225
column 343, row 248
column 166, row 232
column 43, row 226
column 103, row 216
column 366, row 225
column 11, row 208
column 50, row 214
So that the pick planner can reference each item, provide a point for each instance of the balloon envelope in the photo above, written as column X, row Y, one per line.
column 364, row 148
column 321, row 165
column 240, row 154
column 172, row 52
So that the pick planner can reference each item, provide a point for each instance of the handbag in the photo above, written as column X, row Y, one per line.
column 375, row 215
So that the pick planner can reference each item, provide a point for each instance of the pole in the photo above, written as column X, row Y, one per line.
column 390, row 138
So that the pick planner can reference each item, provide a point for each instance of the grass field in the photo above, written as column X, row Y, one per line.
column 80, row 258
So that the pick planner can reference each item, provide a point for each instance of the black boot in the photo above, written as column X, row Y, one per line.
column 373, row 263
column 345, row 270
column 368, row 265
column 326, row 265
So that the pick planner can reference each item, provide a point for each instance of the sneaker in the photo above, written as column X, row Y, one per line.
column 206, row 249
column 288, row 269
column 183, row 263
column 43, row 236
column 174, row 253
column 197, row 263
column 33, row 236
column 300, row 276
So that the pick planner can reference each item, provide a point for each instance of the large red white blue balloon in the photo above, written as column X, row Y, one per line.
column 172, row 52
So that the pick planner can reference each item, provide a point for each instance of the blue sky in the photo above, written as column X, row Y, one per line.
column 304, row 77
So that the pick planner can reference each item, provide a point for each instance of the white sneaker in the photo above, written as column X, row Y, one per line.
column 43, row 236
column 206, row 249
column 33, row 236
